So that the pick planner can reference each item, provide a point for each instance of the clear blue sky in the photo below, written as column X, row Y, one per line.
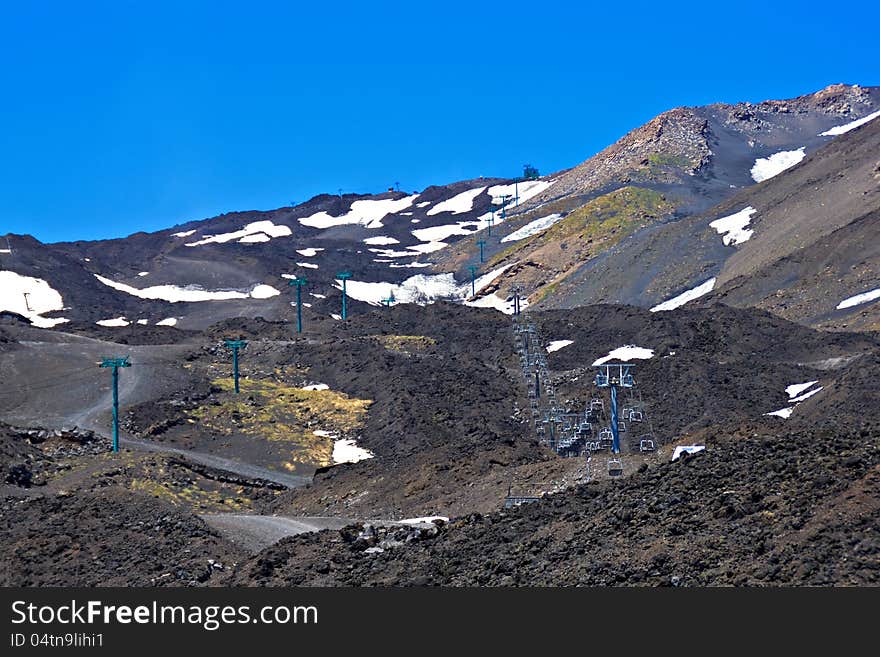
column 123, row 116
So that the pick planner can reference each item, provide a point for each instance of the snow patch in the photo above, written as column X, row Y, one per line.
column 307, row 265
column 345, row 450
column 366, row 212
column 859, row 299
column 118, row 321
column 852, row 125
column 249, row 233
column 440, row 233
column 683, row 298
column 767, row 167
column 316, row 386
column 419, row 289
column 458, row 204
column 732, row 228
column 381, row 240
column 797, row 388
column 170, row 321
column 428, row 247
column 189, row 293
column 317, row 296
column 532, row 228
column 556, row 345
column 41, row 298
column 264, row 292
column 308, row 253
column 144, row 273
column 806, row 395
column 423, row 520
column 185, row 233
column 784, row 413
column 625, row 354
column 686, row 449
column 525, row 189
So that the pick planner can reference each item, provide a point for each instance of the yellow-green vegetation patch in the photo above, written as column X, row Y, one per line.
column 405, row 343
column 610, row 215
column 192, row 496
column 283, row 413
column 604, row 220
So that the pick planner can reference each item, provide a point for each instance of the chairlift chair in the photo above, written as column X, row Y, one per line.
column 615, row 467
column 597, row 405
column 646, row 445
column 636, row 416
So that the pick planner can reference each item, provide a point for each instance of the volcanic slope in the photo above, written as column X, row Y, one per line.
column 609, row 237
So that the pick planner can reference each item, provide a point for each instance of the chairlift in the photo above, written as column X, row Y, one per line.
column 602, row 380
column 621, row 426
column 627, row 381
column 636, row 416
column 615, row 467
column 597, row 405
column 646, row 445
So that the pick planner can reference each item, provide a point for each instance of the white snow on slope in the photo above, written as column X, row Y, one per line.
column 532, row 228
column 437, row 234
column 381, row 240
column 308, row 253
column 143, row 322
column 367, row 212
column 424, row 520
column 144, row 273
column 42, row 298
column 784, row 413
column 686, row 449
column 806, row 395
column 859, row 299
column 258, row 231
column 316, row 386
column 169, row 321
column 118, row 321
column 255, row 239
column 797, row 388
column 685, row 297
column 190, row 293
column 428, row 247
column 185, row 233
column 307, row 265
column 458, row 204
column 391, row 253
column 556, row 345
column 264, row 292
column 732, row 228
column 347, row 451
column 767, row 167
column 625, row 354
column 852, row 125
column 418, row 289
column 795, row 397
column 526, row 190
column 496, row 303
